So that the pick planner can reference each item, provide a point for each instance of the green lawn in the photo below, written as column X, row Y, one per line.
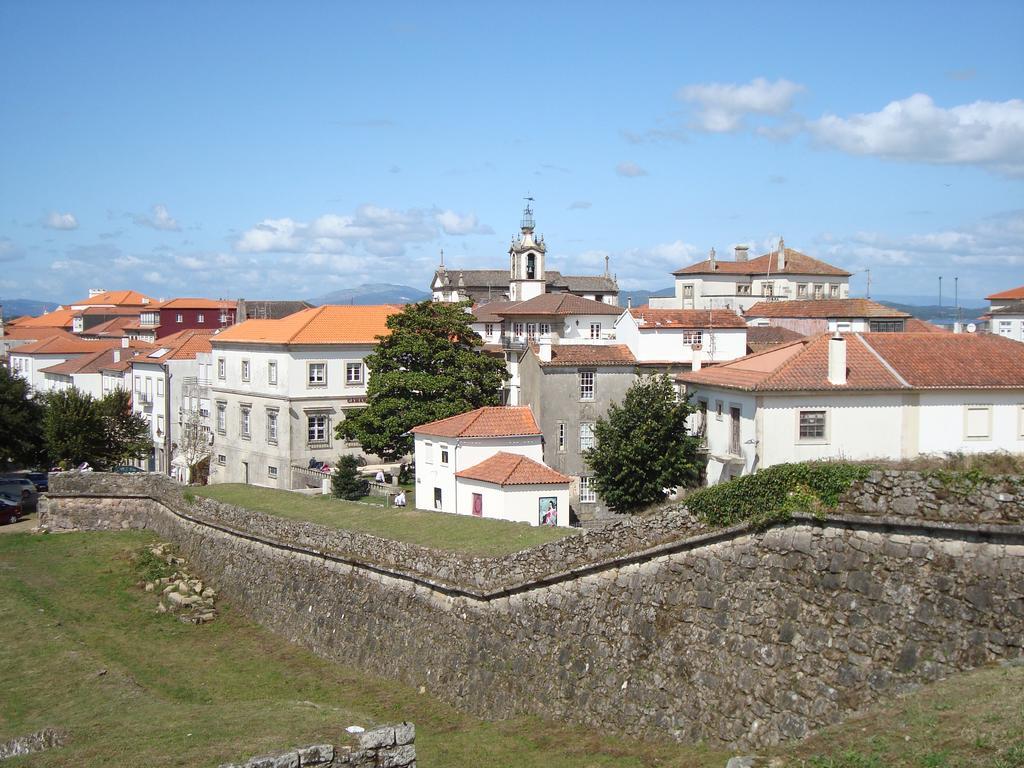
column 173, row 694
column 439, row 530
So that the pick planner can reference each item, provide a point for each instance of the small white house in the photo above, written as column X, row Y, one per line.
column 810, row 316
column 1006, row 313
column 860, row 396
column 489, row 463
column 676, row 335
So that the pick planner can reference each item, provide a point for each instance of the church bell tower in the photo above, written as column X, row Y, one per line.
column 526, row 261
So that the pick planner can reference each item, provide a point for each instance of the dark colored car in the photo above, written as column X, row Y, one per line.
column 127, row 469
column 10, row 510
column 22, row 490
column 41, row 479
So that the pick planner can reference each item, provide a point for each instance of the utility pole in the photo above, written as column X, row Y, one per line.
column 940, row 296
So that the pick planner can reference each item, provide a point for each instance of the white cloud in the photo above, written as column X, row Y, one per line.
column 629, row 170
column 454, row 224
column 159, row 219
column 640, row 267
column 985, row 133
column 56, row 220
column 271, row 235
column 9, row 251
column 722, row 107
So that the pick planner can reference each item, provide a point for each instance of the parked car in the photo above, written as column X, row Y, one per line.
column 10, row 510
column 22, row 489
column 41, row 479
column 126, row 469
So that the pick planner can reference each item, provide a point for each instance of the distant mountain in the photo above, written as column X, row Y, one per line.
column 372, row 293
column 640, row 297
column 18, row 307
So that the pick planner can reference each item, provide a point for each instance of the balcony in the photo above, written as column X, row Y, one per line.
column 144, row 398
column 514, row 342
column 193, row 386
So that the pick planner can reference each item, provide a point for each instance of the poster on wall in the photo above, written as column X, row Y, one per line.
column 548, row 510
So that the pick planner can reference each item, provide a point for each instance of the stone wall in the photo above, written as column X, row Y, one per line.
column 652, row 625
column 392, row 746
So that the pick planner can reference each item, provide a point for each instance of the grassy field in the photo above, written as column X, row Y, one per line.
column 82, row 648
column 460, row 533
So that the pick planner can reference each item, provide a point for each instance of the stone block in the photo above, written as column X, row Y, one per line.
column 377, row 738
column 316, row 754
column 397, row 757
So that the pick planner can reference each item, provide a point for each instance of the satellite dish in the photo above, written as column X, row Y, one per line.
column 971, row 327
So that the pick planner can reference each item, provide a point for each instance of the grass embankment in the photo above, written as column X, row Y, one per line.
column 172, row 694
column 459, row 533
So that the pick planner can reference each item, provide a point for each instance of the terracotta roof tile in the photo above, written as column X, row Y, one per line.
column 797, row 263
column 329, row 324
column 59, row 318
column 762, row 337
column 488, row 313
column 183, row 345
column 489, row 421
column 35, row 334
column 188, row 303
column 1013, row 293
column 64, row 345
column 89, row 363
column 512, row 469
column 113, row 327
column 588, row 355
column 952, row 360
column 686, row 318
column 116, row 298
column 558, row 304
column 916, row 325
column 824, row 308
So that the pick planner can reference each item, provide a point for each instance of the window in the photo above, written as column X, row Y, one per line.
column 488, row 329
column 200, row 318
column 518, row 329
column 718, row 410
column 245, row 425
column 531, row 331
column 159, row 387
column 354, row 373
column 688, row 291
column 743, row 290
column 138, row 384
column 812, row 425
column 833, row 291
column 221, row 368
column 272, row 472
column 587, row 493
column 586, row 385
column 222, row 459
column 428, row 453
column 885, row 326
column 272, row 372
column 561, row 437
column 179, row 318
column 160, row 424
column 1006, row 328
column 316, row 428
column 819, row 291
column 444, row 455
column 586, row 436
column 437, row 498
column 245, row 370
column 844, row 326
column 693, row 337
column 768, row 289
column 801, row 290
column 702, row 417
column 272, row 427
column 595, row 330
column 977, row 422
column 545, row 329
column 316, row 374
column 222, row 417
column 223, row 319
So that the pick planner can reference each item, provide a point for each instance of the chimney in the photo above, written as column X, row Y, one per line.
column 782, row 254
column 544, row 348
column 629, row 302
column 711, row 258
column 741, row 252
column 698, row 357
column 837, row 360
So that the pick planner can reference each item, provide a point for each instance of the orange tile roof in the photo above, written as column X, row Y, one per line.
column 1013, row 293
column 797, row 263
column 558, row 304
column 762, row 337
column 489, row 312
column 824, row 308
column 587, row 355
column 59, row 318
column 329, row 324
column 183, row 345
column 489, row 421
column 512, row 469
column 876, row 361
column 117, row 299
column 187, row 303
column 685, row 318
column 89, row 363
column 35, row 334
column 109, row 311
column 916, row 325
column 64, row 345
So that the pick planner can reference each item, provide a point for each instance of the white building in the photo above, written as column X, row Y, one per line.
column 31, row 361
column 489, row 463
column 810, row 316
column 1006, row 313
column 682, row 335
column 860, row 396
column 280, row 387
column 738, row 284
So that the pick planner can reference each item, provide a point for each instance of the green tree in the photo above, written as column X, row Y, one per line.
column 346, row 482
column 74, row 430
column 21, row 440
column 642, row 447
column 127, row 433
column 429, row 367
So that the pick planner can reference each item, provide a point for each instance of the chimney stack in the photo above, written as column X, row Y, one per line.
column 711, row 258
column 741, row 252
column 782, row 254
column 837, row 360
column 544, row 348
column 698, row 357
column 629, row 302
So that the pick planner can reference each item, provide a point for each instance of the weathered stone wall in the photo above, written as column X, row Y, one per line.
column 392, row 746
column 731, row 635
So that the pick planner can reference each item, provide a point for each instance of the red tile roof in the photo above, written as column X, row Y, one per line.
column 114, row 327
column 685, row 318
column 329, row 324
column 824, row 308
column 59, row 318
column 183, row 345
column 797, row 263
column 489, row 421
column 186, row 303
column 1013, row 293
column 587, row 355
column 109, row 311
column 64, row 345
column 512, row 469
column 488, row 313
column 762, row 337
column 876, row 361
column 558, row 304
column 117, row 299
column 916, row 325
column 89, row 363
column 35, row 334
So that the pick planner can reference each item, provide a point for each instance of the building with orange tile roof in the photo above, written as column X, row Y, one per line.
column 30, row 359
column 811, row 316
column 1006, row 314
column 682, row 335
column 122, row 298
column 860, row 396
column 280, row 387
column 489, row 463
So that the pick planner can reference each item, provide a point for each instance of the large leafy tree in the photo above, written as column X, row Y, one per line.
column 430, row 366
column 74, row 430
column 21, row 440
column 642, row 447
column 127, row 433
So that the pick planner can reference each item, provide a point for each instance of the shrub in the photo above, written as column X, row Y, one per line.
column 346, row 482
column 774, row 494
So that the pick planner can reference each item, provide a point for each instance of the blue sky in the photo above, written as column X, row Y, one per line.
column 287, row 149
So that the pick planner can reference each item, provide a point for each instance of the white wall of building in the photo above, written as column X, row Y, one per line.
column 652, row 343
column 1010, row 326
column 948, row 421
column 515, row 503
